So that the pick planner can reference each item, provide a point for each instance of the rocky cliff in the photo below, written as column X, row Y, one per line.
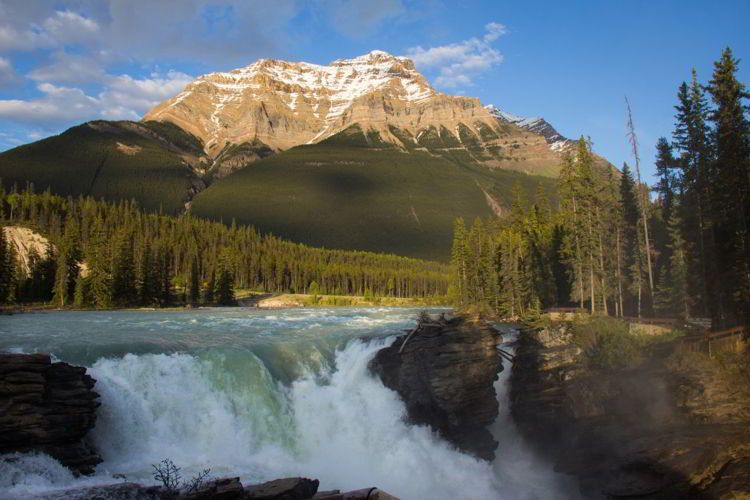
column 673, row 426
column 47, row 407
column 444, row 371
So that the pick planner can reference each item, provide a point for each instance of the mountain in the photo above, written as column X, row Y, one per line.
column 358, row 154
column 538, row 126
column 355, row 192
column 274, row 105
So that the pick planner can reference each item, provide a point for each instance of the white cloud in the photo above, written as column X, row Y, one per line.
column 67, row 27
column 494, row 31
column 459, row 62
column 23, row 32
column 124, row 98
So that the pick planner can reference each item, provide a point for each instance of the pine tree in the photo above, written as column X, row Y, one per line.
column 665, row 166
column 673, row 296
column 695, row 208
column 124, row 286
column 225, row 282
column 459, row 261
column 195, row 283
column 730, row 189
column 632, row 253
column 98, row 257
column 208, row 293
column 67, row 266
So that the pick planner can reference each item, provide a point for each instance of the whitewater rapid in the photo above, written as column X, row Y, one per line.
column 261, row 396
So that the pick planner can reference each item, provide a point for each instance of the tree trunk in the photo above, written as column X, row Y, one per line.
column 619, row 276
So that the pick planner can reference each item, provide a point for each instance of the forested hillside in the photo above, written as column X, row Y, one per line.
column 354, row 191
column 157, row 164
column 107, row 254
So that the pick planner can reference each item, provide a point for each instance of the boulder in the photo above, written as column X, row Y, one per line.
column 47, row 407
column 290, row 488
column 444, row 371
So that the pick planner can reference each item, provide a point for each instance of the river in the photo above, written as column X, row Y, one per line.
column 261, row 395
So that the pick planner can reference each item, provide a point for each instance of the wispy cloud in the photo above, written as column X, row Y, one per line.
column 458, row 63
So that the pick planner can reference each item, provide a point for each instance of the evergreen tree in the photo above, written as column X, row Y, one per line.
column 695, row 208
column 124, row 286
column 665, row 167
column 98, row 257
column 225, row 282
column 67, row 266
column 195, row 283
column 673, row 296
column 208, row 293
column 632, row 252
column 459, row 261
column 730, row 188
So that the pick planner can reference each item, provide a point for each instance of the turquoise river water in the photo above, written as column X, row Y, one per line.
column 261, row 395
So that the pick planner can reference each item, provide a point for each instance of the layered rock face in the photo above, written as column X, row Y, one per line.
column 279, row 104
column 47, row 407
column 666, row 429
column 445, row 374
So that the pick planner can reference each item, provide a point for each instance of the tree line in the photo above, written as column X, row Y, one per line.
column 105, row 254
column 609, row 247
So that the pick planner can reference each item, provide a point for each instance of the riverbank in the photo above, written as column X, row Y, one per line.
column 256, row 299
column 306, row 300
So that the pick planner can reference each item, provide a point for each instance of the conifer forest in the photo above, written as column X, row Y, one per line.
column 616, row 246
column 107, row 255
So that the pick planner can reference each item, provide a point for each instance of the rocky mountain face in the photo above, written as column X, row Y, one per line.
column 538, row 126
column 271, row 105
column 672, row 427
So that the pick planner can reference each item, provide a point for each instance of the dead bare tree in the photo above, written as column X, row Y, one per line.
column 641, row 195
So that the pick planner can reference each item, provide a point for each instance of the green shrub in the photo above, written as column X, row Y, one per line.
column 607, row 342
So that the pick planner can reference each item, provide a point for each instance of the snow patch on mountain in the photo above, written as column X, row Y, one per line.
column 537, row 125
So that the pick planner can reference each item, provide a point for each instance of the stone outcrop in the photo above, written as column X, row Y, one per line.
column 47, row 407
column 667, row 428
column 444, row 371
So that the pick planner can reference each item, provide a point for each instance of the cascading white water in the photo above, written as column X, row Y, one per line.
column 261, row 396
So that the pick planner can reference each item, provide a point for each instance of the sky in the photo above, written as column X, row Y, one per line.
column 65, row 62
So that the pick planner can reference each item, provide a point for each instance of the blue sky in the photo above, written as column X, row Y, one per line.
column 64, row 62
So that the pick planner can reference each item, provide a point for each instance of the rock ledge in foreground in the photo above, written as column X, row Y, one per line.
column 47, row 407
column 445, row 375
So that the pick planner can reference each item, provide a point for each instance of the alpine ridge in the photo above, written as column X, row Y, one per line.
column 274, row 105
